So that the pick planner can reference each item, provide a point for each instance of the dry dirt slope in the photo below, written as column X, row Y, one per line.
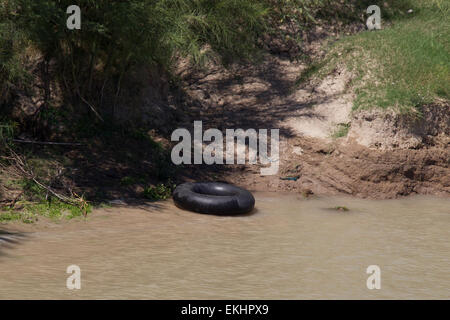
column 383, row 156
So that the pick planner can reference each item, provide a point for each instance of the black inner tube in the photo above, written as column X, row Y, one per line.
column 213, row 198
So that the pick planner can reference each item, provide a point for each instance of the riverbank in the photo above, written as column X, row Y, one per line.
column 346, row 126
column 368, row 117
column 326, row 147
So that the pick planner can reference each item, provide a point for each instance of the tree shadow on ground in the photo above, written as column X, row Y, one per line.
column 256, row 97
column 116, row 162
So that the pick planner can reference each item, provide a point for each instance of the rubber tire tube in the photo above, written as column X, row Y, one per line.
column 216, row 198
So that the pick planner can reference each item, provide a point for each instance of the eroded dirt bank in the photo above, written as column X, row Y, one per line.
column 384, row 155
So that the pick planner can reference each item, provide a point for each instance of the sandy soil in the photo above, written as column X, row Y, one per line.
column 383, row 156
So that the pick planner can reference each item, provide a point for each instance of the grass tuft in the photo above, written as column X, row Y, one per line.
column 341, row 130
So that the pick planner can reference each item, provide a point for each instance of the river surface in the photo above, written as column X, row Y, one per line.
column 289, row 248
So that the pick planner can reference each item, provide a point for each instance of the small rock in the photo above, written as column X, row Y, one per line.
column 297, row 150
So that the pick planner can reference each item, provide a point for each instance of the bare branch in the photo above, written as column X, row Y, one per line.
column 48, row 142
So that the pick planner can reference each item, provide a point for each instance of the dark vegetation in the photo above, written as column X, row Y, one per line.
column 71, row 87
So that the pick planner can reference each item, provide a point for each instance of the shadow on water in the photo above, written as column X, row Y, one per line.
column 10, row 239
column 247, row 214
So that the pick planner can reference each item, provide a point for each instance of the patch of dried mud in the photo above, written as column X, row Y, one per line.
column 352, row 169
column 389, row 130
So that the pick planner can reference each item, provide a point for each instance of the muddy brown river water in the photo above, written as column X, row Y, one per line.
column 290, row 248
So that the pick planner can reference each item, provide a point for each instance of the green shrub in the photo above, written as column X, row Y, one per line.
column 116, row 35
column 159, row 192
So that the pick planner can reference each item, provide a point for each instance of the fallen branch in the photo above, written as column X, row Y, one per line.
column 48, row 142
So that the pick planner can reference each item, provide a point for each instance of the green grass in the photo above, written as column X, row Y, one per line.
column 54, row 209
column 404, row 66
column 38, row 205
column 8, row 215
column 341, row 130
